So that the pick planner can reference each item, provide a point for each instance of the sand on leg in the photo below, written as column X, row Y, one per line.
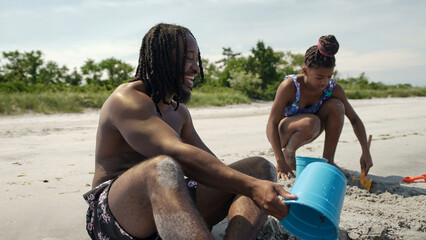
column 296, row 131
column 152, row 196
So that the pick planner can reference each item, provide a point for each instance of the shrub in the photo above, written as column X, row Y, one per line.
column 247, row 83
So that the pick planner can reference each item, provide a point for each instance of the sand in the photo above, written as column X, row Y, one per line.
column 46, row 164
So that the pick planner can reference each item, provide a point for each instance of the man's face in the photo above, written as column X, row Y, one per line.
column 191, row 68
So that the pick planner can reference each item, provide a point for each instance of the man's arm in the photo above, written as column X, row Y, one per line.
column 135, row 117
column 188, row 134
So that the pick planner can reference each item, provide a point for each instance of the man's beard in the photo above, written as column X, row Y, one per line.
column 184, row 95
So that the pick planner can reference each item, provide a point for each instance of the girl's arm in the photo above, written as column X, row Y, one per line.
column 285, row 92
column 358, row 127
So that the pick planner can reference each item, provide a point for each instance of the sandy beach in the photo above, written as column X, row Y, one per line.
column 47, row 163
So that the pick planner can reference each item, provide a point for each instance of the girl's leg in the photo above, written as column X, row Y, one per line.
column 296, row 131
column 332, row 115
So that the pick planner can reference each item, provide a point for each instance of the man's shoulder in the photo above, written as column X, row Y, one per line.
column 128, row 98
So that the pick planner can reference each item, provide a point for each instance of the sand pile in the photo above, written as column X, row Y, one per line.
column 388, row 211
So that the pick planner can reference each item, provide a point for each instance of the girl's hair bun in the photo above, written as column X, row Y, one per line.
column 328, row 45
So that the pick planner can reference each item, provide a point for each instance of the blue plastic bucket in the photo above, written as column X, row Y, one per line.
column 315, row 214
column 302, row 162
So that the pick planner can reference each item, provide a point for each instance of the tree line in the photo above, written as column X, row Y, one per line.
column 28, row 72
column 256, row 75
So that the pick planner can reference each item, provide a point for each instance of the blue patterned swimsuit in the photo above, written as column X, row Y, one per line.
column 295, row 108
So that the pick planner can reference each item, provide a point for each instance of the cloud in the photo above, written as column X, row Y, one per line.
column 390, row 59
column 76, row 56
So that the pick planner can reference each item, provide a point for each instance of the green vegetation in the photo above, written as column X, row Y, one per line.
column 361, row 88
column 51, row 102
column 214, row 96
column 29, row 84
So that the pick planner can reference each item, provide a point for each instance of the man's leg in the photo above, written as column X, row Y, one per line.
column 152, row 196
column 245, row 218
column 295, row 132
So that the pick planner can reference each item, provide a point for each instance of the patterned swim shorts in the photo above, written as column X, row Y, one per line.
column 101, row 224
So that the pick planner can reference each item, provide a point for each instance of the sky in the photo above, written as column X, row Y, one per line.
column 385, row 39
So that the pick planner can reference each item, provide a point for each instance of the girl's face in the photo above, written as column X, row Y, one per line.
column 317, row 78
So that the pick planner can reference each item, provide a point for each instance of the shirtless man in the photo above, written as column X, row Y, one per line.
column 146, row 146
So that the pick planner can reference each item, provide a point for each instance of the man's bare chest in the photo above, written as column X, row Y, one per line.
column 174, row 120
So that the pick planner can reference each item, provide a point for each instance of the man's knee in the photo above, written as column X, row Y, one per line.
column 163, row 170
column 266, row 169
column 258, row 167
column 168, row 172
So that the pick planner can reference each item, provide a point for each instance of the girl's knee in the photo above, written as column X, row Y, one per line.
column 309, row 128
column 335, row 105
column 308, row 124
column 313, row 127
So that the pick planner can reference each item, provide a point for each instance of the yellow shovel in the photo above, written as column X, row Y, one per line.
column 365, row 183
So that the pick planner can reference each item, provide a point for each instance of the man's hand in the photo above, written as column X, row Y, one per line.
column 265, row 196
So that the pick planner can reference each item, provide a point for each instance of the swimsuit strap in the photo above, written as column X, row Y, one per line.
column 290, row 110
column 328, row 90
column 295, row 109
column 297, row 84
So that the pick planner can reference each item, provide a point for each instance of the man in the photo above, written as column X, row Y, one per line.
column 146, row 144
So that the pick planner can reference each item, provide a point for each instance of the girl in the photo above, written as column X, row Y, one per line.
column 309, row 103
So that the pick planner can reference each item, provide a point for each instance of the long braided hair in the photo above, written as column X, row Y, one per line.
column 160, row 67
column 322, row 54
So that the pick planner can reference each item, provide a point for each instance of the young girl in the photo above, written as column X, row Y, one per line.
column 309, row 103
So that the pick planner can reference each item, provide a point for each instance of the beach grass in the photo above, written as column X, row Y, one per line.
column 217, row 97
column 371, row 93
column 50, row 102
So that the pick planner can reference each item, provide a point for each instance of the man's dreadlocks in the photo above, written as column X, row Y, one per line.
column 157, row 69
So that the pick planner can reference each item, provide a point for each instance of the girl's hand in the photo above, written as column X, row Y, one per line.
column 284, row 172
column 366, row 162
